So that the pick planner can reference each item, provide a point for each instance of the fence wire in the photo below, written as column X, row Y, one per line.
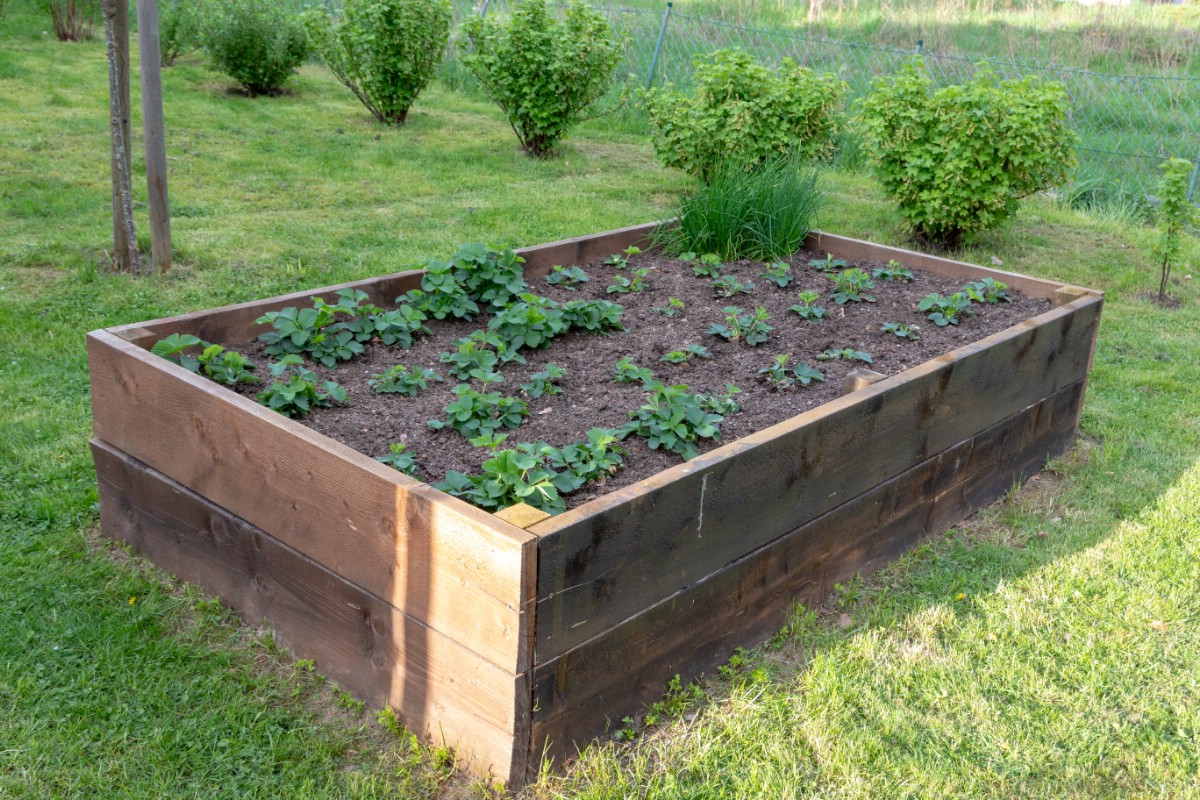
column 1127, row 124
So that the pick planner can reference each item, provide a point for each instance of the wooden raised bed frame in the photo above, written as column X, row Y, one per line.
column 509, row 642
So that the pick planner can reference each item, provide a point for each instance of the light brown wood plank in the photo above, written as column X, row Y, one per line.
column 581, row 249
column 443, row 562
column 617, row 672
column 603, row 561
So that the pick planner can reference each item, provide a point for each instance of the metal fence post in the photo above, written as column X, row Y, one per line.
column 1195, row 175
column 920, row 46
column 658, row 47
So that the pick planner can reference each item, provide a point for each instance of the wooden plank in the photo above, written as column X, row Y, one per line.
column 451, row 566
column 369, row 647
column 522, row 515
column 859, row 250
column 605, row 560
column 614, row 674
column 860, row 379
column 581, row 249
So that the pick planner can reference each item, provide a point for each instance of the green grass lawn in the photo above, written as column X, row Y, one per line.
column 1048, row 647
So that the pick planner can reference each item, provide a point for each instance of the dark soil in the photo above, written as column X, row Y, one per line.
column 592, row 399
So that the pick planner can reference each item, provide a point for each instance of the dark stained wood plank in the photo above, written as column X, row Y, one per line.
column 581, row 249
column 381, row 655
column 616, row 673
column 604, row 561
column 447, row 564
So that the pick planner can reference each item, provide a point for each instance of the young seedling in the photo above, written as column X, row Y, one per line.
column 509, row 477
column 173, row 348
column 674, row 307
column 709, row 266
column 750, row 329
column 625, row 285
column 894, row 271
column 621, row 260
column 728, row 286
column 531, row 323
column 594, row 316
column 399, row 326
column 777, row 375
column 545, row 382
column 686, row 354
column 850, row 286
column 399, row 458
column 567, row 277
column 945, row 311
column 846, row 353
column 805, row 374
column 778, row 273
column 399, row 379
column 489, row 441
column 721, row 404
column 807, row 310
column 672, row 419
column 471, row 360
column 828, row 263
column 226, row 366
column 475, row 413
column 294, row 392
column 901, row 331
column 988, row 290
column 628, row 372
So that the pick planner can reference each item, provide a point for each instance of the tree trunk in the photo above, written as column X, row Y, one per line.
column 116, row 31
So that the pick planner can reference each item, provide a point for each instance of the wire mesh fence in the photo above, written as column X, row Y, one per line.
column 1127, row 124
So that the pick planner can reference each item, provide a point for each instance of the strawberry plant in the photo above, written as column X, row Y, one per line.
column 399, row 326
column 335, row 346
column 628, row 372
column 750, row 329
column 805, row 374
column 567, row 277
column 894, row 271
column 709, row 266
column 596, row 459
column 399, row 379
column 776, row 374
column 850, row 286
column 828, row 263
column 509, row 477
column 846, row 353
column 531, row 323
column 778, row 273
column 728, row 286
column 807, row 310
column 686, row 354
column 173, row 348
column 621, row 260
column 352, row 303
column 477, row 275
column 900, row 330
column 674, row 307
column 225, row 366
column 625, row 285
column 400, row 459
column 594, row 316
column 294, row 392
column 297, row 330
column 945, row 311
column 988, row 290
column 545, row 382
column 722, row 404
column 471, row 360
column 672, row 419
column 476, row 413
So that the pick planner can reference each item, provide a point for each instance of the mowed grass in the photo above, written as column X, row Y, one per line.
column 1048, row 647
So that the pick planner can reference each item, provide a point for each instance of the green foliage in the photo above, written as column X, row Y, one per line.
column 178, row 29
column 807, row 310
column 762, row 213
column 472, row 358
column 635, row 283
column 543, row 69
column 900, row 330
column 709, row 265
column 1175, row 215
column 628, row 372
column 988, row 290
column 531, row 323
column 475, row 413
column 214, row 361
column 385, row 51
column 850, row 286
column 686, row 354
column 729, row 286
column 847, row 354
column 957, row 159
column 295, row 393
column 673, row 419
column 894, row 271
column 400, row 379
column 476, row 276
column 777, row 376
column 545, row 382
column 174, row 347
column 828, row 263
column 945, row 311
column 621, row 260
column 778, row 273
column 567, row 277
column 399, row 326
column 750, row 329
column 674, row 307
column 743, row 113
column 399, row 458
column 258, row 43
column 594, row 316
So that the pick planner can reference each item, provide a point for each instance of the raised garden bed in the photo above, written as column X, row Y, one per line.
column 509, row 641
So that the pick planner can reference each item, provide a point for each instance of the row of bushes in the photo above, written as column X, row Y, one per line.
column 956, row 159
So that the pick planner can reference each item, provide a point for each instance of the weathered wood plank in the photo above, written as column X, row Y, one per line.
column 368, row 646
column 581, row 249
column 452, row 567
column 604, row 561
column 613, row 674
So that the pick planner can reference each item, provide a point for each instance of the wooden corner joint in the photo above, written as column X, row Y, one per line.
column 860, row 379
column 522, row 515
column 1068, row 294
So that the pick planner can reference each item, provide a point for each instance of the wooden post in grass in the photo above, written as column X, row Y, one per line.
column 152, row 130
column 116, row 30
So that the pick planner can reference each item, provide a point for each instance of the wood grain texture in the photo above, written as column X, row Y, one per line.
column 447, row 564
column 617, row 672
column 604, row 561
column 539, row 259
column 365, row 644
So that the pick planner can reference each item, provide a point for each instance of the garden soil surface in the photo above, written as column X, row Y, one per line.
column 590, row 398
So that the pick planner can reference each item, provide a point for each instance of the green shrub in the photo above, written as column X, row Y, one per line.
column 958, row 159
column 762, row 214
column 385, row 51
column 744, row 112
column 543, row 70
column 1175, row 214
column 178, row 29
column 255, row 42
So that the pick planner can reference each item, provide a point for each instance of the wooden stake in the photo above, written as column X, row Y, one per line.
column 152, row 129
column 116, row 30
